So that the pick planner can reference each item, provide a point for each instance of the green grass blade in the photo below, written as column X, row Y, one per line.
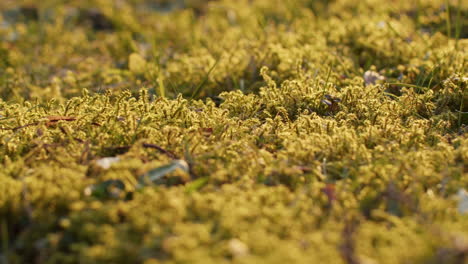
column 198, row 89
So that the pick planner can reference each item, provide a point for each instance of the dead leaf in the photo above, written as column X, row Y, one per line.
column 329, row 191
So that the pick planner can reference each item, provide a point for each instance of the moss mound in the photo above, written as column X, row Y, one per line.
column 262, row 131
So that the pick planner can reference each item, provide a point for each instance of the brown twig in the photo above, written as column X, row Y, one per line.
column 52, row 120
column 348, row 247
column 23, row 126
column 160, row 149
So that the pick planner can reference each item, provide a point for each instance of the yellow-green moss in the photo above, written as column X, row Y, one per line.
column 314, row 131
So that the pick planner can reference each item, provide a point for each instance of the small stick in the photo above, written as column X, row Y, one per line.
column 160, row 149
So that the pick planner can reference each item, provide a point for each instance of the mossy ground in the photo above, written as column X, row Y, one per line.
column 304, row 131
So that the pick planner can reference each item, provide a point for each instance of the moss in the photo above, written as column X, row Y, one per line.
column 309, row 131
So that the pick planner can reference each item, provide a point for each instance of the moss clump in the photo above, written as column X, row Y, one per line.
column 233, row 131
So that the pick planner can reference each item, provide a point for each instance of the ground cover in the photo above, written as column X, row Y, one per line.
column 261, row 131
